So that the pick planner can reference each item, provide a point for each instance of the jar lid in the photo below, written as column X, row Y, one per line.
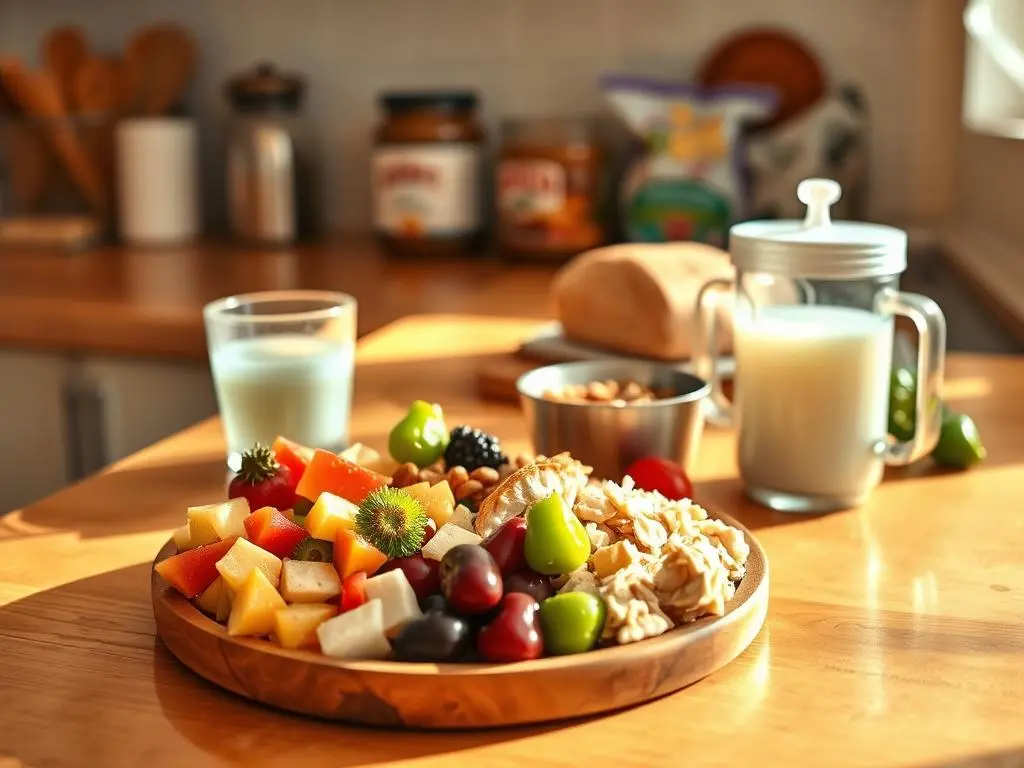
column 817, row 247
column 265, row 88
column 446, row 101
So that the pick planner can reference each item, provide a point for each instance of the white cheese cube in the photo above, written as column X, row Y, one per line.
column 309, row 582
column 448, row 535
column 357, row 634
column 397, row 598
column 463, row 518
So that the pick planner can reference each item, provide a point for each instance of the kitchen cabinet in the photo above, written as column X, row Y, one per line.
column 34, row 452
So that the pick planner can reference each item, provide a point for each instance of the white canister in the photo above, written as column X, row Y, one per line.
column 157, row 181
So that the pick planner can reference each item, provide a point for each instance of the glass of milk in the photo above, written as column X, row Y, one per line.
column 282, row 364
column 813, row 303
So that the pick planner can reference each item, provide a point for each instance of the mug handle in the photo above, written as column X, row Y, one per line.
column 931, row 359
column 706, row 349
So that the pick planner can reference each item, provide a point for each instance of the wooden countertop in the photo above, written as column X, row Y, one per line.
column 894, row 635
column 148, row 303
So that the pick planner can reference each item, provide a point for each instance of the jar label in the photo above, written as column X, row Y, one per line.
column 426, row 190
column 530, row 189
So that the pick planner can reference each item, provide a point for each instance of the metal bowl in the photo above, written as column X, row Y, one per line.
column 611, row 437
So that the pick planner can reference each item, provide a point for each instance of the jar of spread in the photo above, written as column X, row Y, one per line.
column 549, row 180
column 426, row 172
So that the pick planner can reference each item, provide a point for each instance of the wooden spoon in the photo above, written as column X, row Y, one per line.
column 39, row 96
column 98, row 87
column 161, row 59
column 64, row 50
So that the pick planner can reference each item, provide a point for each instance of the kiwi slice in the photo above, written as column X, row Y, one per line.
column 314, row 550
column 393, row 521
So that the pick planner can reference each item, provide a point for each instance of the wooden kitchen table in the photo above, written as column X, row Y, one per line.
column 895, row 633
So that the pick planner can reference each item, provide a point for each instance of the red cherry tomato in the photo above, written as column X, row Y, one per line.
column 666, row 477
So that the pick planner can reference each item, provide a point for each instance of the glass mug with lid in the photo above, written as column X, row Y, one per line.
column 813, row 304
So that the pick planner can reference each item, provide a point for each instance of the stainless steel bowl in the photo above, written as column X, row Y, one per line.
column 611, row 437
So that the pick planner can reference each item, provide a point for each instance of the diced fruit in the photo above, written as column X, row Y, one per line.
column 448, row 536
column 506, row 546
column 327, row 472
column 653, row 473
column 470, row 579
column 270, row 530
column 463, row 517
column 255, row 604
column 263, row 481
column 209, row 599
column 196, row 569
column 314, row 551
column 514, row 634
column 437, row 500
column 329, row 515
column 435, row 637
column 421, row 436
column 358, row 634
column 472, row 449
column 397, row 598
column 533, row 584
column 295, row 626
column 393, row 521
column 364, row 456
column 571, row 622
column 181, row 537
column 308, row 582
column 212, row 522
column 245, row 557
column 421, row 573
column 354, row 553
column 353, row 591
column 556, row 541
column 227, row 597
column 428, row 532
column 292, row 455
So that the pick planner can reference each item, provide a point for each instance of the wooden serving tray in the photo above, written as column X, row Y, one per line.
column 453, row 696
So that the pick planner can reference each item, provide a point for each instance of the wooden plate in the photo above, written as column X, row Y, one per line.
column 451, row 696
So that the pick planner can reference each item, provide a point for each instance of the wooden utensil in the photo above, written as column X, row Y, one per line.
column 160, row 59
column 64, row 51
column 451, row 696
column 31, row 163
column 39, row 96
column 97, row 86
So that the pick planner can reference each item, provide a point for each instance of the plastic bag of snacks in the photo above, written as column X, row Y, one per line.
column 688, row 184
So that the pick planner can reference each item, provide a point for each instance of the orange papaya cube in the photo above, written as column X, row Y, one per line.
column 292, row 455
column 194, row 570
column 270, row 530
column 328, row 472
column 354, row 553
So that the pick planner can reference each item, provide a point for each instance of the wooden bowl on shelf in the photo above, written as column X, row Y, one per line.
column 460, row 696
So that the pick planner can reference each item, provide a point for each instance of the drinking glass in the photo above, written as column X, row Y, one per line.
column 282, row 364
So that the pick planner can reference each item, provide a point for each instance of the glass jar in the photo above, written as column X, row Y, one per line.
column 549, row 186
column 426, row 171
column 813, row 304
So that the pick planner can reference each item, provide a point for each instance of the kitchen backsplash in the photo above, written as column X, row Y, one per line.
column 526, row 57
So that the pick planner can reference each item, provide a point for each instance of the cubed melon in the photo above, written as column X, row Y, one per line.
column 193, row 571
column 269, row 529
column 227, row 597
column 309, row 582
column 448, row 536
column 354, row 553
column 397, row 597
column 255, row 604
column 438, row 500
column 242, row 559
column 328, row 472
column 295, row 626
column 329, row 515
column 357, row 634
column 213, row 522
column 182, row 539
column 209, row 599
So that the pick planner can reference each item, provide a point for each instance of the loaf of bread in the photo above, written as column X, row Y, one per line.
column 640, row 299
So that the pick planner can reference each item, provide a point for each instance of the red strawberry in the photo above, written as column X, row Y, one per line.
column 262, row 481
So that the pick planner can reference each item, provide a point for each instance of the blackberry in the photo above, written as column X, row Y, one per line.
column 473, row 448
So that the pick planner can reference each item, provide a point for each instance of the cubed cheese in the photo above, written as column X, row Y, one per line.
column 330, row 514
column 607, row 560
column 213, row 522
column 356, row 634
column 296, row 625
column 448, row 535
column 242, row 558
column 398, row 600
column 309, row 582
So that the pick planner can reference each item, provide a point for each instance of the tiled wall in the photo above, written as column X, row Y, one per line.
column 525, row 56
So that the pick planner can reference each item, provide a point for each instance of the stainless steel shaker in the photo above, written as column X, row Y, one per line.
column 264, row 156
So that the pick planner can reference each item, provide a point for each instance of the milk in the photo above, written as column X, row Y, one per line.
column 292, row 385
column 812, row 391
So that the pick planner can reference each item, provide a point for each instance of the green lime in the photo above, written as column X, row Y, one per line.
column 959, row 443
column 902, row 404
column 571, row 622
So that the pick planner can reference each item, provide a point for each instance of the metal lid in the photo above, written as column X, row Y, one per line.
column 265, row 88
column 816, row 247
column 444, row 101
